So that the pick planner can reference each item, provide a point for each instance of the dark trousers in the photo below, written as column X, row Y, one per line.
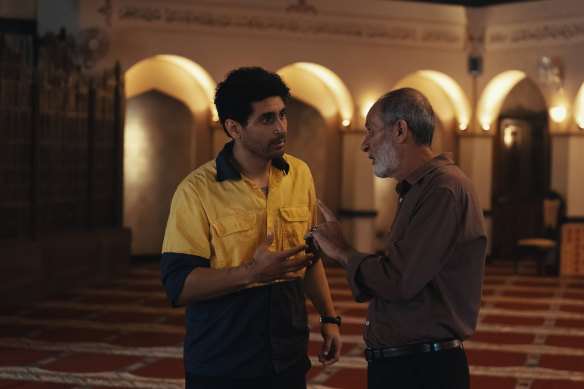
column 291, row 378
column 447, row 369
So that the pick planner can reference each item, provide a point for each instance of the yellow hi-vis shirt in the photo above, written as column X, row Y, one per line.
column 224, row 219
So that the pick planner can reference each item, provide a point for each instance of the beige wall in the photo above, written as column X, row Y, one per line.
column 370, row 46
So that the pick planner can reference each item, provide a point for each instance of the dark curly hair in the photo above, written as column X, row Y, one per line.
column 243, row 86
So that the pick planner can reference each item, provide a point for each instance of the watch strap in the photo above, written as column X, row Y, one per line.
column 330, row 320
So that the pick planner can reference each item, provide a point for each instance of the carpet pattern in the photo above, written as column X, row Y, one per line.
column 530, row 335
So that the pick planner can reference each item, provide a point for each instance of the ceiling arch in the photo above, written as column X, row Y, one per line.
column 494, row 95
column 321, row 88
column 443, row 92
column 175, row 76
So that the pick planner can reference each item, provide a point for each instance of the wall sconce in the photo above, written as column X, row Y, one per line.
column 558, row 114
column 463, row 126
column 346, row 122
column 486, row 126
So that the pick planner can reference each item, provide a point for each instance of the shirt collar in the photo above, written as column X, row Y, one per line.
column 404, row 186
column 227, row 171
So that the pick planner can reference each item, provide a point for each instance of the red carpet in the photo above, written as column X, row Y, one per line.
column 530, row 336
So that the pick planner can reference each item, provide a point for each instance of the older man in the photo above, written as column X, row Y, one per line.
column 425, row 290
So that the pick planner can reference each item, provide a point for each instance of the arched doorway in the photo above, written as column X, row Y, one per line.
column 307, row 140
column 168, row 133
column 318, row 110
column 158, row 136
column 521, row 167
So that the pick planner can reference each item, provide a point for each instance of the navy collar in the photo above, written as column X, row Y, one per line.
column 227, row 171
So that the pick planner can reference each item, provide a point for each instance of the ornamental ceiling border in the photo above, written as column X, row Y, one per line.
column 535, row 34
column 183, row 17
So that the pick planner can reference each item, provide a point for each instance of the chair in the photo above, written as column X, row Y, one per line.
column 545, row 249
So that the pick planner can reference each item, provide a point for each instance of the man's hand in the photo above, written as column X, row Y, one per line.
column 268, row 266
column 331, row 348
column 329, row 238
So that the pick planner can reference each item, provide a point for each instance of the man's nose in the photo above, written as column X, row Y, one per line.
column 280, row 127
column 365, row 145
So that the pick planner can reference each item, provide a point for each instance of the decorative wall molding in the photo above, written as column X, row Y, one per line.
column 178, row 16
column 545, row 33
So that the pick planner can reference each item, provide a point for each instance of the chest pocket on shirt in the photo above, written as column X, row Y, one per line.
column 232, row 238
column 294, row 225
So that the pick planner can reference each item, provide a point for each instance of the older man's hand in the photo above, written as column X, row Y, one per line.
column 329, row 239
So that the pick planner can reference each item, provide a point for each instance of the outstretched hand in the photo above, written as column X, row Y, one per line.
column 268, row 266
column 329, row 238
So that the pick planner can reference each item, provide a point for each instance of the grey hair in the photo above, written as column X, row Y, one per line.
column 414, row 108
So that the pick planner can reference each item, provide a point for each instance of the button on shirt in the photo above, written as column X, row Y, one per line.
column 217, row 219
column 427, row 285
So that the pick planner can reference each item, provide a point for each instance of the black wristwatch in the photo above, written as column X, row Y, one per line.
column 330, row 320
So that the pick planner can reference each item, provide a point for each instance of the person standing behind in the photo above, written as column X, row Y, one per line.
column 424, row 291
column 232, row 250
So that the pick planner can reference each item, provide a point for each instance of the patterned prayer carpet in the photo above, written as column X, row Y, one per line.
column 124, row 335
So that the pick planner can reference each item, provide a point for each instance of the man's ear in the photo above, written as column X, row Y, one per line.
column 233, row 128
column 401, row 131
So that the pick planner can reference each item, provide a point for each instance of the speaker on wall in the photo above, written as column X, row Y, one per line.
column 475, row 65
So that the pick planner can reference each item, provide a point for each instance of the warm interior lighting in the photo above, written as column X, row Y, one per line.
column 509, row 135
column 454, row 92
column 200, row 75
column 581, row 123
column 346, row 123
column 137, row 151
column 494, row 94
column 366, row 106
column 177, row 77
column 558, row 114
column 330, row 96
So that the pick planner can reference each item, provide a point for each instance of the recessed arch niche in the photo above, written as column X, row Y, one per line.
column 167, row 134
column 521, row 166
column 320, row 108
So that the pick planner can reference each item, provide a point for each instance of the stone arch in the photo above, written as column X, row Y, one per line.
column 167, row 134
column 319, row 92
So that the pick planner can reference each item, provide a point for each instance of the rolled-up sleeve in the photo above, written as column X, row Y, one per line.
column 175, row 268
column 186, row 241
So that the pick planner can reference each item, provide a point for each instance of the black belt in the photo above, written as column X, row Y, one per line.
column 372, row 354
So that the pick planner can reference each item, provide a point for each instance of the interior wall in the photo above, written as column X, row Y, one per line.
column 157, row 157
column 370, row 67
column 307, row 141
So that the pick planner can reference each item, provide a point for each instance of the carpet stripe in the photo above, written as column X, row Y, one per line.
column 86, row 324
column 93, row 347
column 113, row 379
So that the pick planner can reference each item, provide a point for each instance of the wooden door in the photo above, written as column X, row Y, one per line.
column 521, row 180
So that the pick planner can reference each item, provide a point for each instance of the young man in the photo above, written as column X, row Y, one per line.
column 425, row 290
column 233, row 250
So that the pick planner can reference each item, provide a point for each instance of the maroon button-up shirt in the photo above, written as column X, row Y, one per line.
column 428, row 285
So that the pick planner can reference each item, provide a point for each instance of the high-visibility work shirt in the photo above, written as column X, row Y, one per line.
column 217, row 219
